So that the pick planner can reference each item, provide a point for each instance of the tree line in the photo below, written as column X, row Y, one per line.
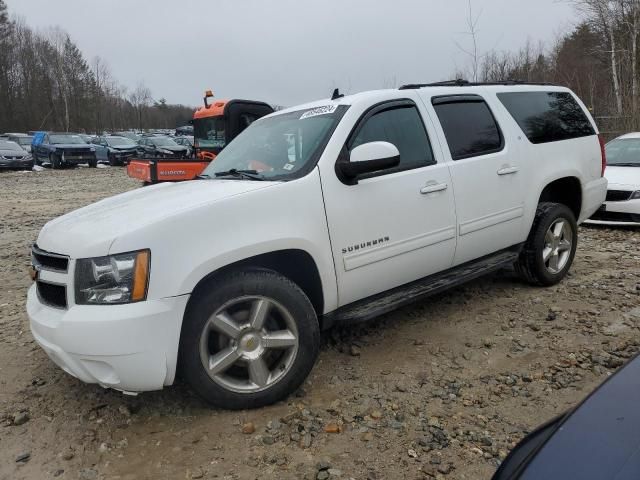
column 47, row 84
column 598, row 59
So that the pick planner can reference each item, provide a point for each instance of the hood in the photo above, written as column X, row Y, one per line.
column 172, row 148
column 623, row 176
column 90, row 231
column 124, row 148
column 12, row 153
column 71, row 146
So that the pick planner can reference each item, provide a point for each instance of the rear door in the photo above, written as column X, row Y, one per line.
column 487, row 176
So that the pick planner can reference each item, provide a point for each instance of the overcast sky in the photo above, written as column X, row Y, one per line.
column 287, row 52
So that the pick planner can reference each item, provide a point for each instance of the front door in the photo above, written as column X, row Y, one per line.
column 394, row 226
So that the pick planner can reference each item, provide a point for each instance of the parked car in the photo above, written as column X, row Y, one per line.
column 187, row 142
column 599, row 439
column 186, row 130
column 391, row 196
column 114, row 150
column 62, row 149
column 130, row 135
column 13, row 156
column 622, row 206
column 160, row 146
column 87, row 138
column 21, row 139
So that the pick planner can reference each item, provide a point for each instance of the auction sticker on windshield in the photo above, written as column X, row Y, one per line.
column 319, row 111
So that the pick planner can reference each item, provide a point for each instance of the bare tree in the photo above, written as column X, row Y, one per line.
column 140, row 98
column 603, row 14
column 472, row 32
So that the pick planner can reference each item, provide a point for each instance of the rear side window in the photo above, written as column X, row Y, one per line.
column 547, row 116
column 469, row 126
column 403, row 127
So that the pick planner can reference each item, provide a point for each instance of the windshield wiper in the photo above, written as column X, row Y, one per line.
column 249, row 174
column 628, row 164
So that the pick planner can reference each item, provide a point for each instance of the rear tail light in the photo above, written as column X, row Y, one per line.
column 604, row 155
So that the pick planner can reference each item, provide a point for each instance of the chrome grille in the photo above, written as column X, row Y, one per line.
column 49, row 261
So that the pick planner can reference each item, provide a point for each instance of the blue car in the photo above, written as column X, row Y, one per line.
column 61, row 149
column 114, row 150
column 598, row 440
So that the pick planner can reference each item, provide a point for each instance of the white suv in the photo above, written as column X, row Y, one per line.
column 335, row 211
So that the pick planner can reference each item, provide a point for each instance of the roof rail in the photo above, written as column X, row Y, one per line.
column 465, row 83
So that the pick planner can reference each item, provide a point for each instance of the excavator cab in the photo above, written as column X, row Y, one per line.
column 214, row 126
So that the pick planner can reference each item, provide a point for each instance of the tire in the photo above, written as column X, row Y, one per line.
column 54, row 161
column 260, row 374
column 559, row 244
column 93, row 163
column 112, row 161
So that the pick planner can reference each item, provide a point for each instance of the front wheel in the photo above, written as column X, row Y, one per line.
column 551, row 247
column 54, row 161
column 249, row 339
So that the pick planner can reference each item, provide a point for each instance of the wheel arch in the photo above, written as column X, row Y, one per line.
column 566, row 190
column 295, row 264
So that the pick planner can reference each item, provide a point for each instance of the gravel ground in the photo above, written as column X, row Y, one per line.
column 441, row 389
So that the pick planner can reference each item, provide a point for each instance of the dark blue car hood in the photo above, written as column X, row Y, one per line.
column 70, row 146
column 598, row 440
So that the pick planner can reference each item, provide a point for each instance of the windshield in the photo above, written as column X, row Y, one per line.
column 68, row 139
column 10, row 146
column 120, row 142
column 163, row 142
column 277, row 147
column 624, row 151
column 23, row 140
column 210, row 132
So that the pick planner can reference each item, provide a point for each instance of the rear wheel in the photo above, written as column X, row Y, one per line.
column 551, row 247
column 249, row 339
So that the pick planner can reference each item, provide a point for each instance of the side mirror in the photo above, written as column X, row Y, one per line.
column 368, row 158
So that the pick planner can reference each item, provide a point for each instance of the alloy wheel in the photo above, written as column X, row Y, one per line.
column 249, row 344
column 558, row 242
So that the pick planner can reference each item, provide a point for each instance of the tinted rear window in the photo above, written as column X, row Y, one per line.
column 469, row 126
column 547, row 116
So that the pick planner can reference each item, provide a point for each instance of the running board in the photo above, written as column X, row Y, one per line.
column 385, row 302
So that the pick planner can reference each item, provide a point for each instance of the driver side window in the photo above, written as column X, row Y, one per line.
column 402, row 126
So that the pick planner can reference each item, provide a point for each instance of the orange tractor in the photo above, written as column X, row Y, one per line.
column 214, row 126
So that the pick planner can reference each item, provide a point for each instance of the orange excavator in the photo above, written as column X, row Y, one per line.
column 214, row 126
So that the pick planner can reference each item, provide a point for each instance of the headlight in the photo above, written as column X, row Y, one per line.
column 162, row 150
column 111, row 280
column 635, row 195
column 92, row 149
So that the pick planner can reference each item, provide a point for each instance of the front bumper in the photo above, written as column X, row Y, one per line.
column 132, row 348
column 13, row 164
column 618, row 213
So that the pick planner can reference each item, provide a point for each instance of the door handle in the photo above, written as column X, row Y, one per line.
column 507, row 170
column 433, row 188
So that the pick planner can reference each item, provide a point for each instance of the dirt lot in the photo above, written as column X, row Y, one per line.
column 442, row 389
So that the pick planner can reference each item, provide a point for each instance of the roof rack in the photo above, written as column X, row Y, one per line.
column 465, row 83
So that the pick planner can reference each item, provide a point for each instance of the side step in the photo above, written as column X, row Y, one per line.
column 385, row 302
